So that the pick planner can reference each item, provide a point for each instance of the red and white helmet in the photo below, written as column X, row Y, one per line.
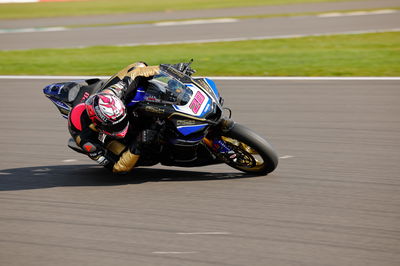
column 108, row 113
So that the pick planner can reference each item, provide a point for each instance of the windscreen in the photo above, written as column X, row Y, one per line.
column 163, row 88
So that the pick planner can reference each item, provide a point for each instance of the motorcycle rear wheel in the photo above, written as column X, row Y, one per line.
column 254, row 154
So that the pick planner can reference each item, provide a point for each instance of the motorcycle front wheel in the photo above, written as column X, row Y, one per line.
column 254, row 154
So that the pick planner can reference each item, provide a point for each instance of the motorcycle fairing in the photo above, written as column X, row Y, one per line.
column 66, row 95
column 65, row 91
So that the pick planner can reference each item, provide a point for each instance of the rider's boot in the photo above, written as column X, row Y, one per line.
column 126, row 162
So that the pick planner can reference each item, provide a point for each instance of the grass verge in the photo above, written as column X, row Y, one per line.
column 97, row 7
column 376, row 54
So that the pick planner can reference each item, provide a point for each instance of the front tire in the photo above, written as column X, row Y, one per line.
column 255, row 154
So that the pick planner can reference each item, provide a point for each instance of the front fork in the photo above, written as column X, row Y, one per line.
column 224, row 125
column 216, row 144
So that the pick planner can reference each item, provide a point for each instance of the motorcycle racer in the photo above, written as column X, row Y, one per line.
column 173, row 120
column 102, row 119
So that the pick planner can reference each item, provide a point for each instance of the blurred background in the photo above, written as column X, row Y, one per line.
column 227, row 37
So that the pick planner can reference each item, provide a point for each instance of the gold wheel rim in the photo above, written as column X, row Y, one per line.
column 260, row 164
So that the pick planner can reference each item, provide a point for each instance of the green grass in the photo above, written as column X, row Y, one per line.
column 376, row 54
column 95, row 7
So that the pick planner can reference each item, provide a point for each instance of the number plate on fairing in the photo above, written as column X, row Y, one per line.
column 198, row 105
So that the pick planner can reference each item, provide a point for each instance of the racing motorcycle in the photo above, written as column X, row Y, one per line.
column 193, row 128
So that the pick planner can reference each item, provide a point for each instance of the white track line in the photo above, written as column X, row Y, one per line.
column 286, row 157
column 69, row 161
column 174, row 252
column 26, row 30
column 357, row 13
column 214, row 78
column 204, row 233
column 52, row 77
column 195, row 22
column 17, row 1
column 159, row 24
column 27, row 1
column 305, row 78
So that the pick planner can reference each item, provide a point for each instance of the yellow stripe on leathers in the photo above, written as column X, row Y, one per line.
column 115, row 147
column 78, row 140
column 126, row 162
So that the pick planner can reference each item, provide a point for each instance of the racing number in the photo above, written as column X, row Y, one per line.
column 197, row 102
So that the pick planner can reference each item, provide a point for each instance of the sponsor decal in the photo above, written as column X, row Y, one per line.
column 176, row 72
column 99, row 114
column 204, row 85
column 84, row 97
column 153, row 109
column 89, row 147
column 185, row 122
column 152, row 99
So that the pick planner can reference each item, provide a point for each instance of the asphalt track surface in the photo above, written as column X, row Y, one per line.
column 191, row 14
column 234, row 30
column 334, row 199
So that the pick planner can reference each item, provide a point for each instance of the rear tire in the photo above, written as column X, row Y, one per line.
column 258, row 144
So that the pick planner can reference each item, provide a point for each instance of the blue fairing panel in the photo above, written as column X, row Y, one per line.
column 140, row 94
column 62, row 107
column 206, row 109
column 213, row 86
column 186, row 130
column 60, row 104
